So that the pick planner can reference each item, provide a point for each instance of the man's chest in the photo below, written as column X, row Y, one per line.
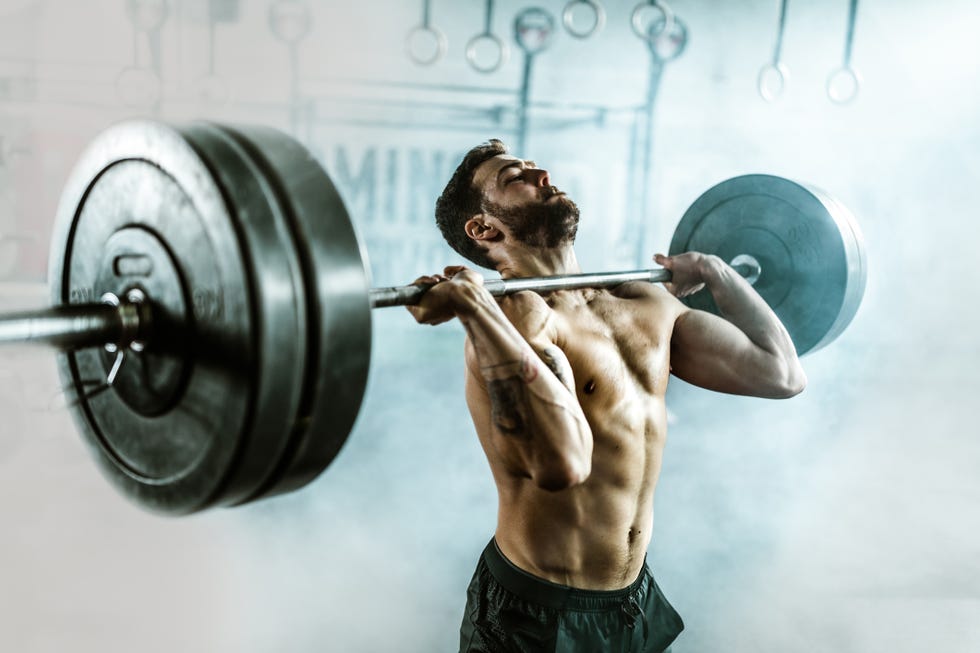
column 616, row 347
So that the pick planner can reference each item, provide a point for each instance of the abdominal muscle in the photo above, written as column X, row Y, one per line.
column 594, row 535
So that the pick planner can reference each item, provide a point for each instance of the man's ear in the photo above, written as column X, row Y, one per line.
column 481, row 227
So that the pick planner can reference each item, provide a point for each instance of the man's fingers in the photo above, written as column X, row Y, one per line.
column 430, row 279
column 432, row 308
column 666, row 263
column 447, row 274
column 682, row 291
column 689, row 290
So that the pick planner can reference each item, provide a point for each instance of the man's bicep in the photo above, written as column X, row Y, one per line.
column 711, row 352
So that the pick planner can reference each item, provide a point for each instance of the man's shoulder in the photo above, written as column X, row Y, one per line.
column 528, row 312
column 522, row 301
column 645, row 306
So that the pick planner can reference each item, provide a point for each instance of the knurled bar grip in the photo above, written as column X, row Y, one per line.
column 408, row 295
column 73, row 327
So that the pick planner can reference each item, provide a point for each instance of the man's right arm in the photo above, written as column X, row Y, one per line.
column 523, row 394
column 748, row 351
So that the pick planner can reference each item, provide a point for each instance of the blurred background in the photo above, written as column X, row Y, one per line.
column 845, row 519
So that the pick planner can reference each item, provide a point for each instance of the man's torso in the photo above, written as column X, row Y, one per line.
column 595, row 535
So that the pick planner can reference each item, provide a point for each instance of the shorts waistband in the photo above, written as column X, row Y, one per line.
column 553, row 595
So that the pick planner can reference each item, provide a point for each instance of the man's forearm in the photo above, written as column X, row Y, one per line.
column 741, row 305
column 528, row 398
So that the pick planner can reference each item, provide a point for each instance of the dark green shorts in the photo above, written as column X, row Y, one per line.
column 509, row 610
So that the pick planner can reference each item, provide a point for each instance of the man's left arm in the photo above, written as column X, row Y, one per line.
column 749, row 352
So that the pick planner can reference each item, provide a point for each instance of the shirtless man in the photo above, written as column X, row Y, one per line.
column 566, row 390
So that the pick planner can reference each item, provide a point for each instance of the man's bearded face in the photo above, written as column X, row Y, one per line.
column 546, row 224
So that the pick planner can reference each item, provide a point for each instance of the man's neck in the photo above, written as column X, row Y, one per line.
column 531, row 262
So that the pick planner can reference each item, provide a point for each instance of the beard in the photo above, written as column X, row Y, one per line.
column 547, row 225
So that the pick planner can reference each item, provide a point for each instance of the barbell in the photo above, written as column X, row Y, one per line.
column 211, row 304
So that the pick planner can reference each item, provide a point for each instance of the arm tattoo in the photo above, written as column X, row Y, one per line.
column 509, row 406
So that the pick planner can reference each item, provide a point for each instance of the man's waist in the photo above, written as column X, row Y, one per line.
column 549, row 593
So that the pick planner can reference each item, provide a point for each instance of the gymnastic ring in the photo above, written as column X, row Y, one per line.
column 667, row 43
column 772, row 80
column 843, row 85
column 524, row 24
column 598, row 21
column 502, row 52
column 636, row 19
column 438, row 38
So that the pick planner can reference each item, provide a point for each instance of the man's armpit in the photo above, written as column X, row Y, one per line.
column 557, row 362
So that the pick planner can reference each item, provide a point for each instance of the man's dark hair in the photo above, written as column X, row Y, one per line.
column 460, row 201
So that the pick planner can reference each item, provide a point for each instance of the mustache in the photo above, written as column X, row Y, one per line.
column 550, row 191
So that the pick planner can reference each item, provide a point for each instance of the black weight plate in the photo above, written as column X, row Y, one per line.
column 279, row 305
column 809, row 248
column 143, row 182
column 339, row 313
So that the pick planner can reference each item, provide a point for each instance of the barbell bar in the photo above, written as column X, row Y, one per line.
column 213, row 276
column 73, row 327
column 79, row 326
column 411, row 294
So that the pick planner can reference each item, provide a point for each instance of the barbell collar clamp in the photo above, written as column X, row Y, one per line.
column 748, row 267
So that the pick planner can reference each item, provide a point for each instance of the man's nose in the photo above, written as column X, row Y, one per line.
column 541, row 177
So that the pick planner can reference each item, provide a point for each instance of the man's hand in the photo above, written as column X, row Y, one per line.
column 448, row 295
column 687, row 272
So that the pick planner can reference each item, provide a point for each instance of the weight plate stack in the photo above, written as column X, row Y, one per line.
column 252, row 376
column 337, row 285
